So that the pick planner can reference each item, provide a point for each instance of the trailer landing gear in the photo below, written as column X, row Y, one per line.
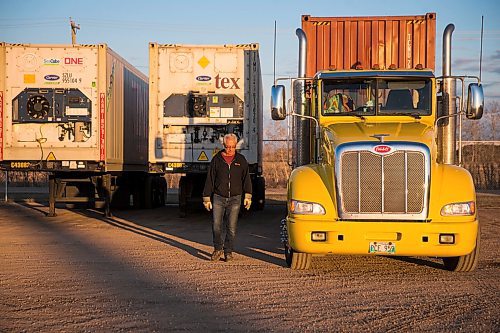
column 127, row 190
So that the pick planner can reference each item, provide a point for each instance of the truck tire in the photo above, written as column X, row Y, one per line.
column 466, row 263
column 294, row 260
column 297, row 260
column 259, row 193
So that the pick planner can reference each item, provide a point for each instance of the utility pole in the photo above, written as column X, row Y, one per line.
column 74, row 27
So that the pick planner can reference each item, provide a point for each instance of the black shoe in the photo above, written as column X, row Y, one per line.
column 228, row 256
column 216, row 255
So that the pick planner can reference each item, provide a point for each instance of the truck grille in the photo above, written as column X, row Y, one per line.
column 375, row 185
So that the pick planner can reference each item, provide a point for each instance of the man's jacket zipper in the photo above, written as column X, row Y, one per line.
column 229, row 166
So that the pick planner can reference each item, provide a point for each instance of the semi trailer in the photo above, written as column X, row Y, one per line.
column 79, row 113
column 198, row 93
column 376, row 160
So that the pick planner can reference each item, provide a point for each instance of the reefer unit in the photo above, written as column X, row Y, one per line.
column 66, row 107
column 199, row 93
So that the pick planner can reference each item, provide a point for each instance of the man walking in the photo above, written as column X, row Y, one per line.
column 227, row 180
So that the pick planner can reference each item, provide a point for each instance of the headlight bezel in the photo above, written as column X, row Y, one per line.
column 300, row 207
column 465, row 208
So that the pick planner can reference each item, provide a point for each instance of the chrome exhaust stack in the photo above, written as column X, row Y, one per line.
column 302, row 125
column 447, row 136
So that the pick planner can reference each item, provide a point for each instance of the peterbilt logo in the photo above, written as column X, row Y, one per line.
column 203, row 78
column 382, row 149
column 51, row 77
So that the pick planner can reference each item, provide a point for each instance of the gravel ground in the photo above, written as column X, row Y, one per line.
column 149, row 271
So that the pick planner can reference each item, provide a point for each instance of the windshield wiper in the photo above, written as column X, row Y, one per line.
column 414, row 115
column 353, row 115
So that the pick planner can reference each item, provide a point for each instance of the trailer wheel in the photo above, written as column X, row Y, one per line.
column 259, row 193
column 52, row 195
column 466, row 263
column 162, row 191
column 154, row 191
column 183, row 196
column 148, row 192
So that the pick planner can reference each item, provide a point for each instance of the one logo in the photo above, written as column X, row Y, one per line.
column 73, row 61
column 382, row 149
column 203, row 78
column 51, row 61
column 51, row 77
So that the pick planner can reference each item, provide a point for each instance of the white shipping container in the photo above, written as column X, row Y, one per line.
column 197, row 94
column 71, row 105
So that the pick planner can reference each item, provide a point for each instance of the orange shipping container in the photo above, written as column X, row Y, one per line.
column 343, row 42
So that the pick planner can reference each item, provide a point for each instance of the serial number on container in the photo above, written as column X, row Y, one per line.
column 20, row 165
column 175, row 165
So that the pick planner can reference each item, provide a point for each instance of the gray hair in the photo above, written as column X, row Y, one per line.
column 230, row 136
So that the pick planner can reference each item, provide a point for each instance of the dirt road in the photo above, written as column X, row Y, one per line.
column 149, row 271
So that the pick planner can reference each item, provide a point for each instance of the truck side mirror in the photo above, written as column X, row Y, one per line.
column 278, row 109
column 475, row 101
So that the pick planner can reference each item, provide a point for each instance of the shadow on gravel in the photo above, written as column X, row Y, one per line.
column 137, row 228
column 420, row 262
column 29, row 204
column 258, row 234
column 156, row 305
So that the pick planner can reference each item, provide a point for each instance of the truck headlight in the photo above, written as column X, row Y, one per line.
column 459, row 209
column 309, row 208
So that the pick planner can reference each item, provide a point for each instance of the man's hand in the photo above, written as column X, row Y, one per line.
column 247, row 203
column 208, row 205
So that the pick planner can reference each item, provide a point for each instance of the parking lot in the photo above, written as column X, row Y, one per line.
column 149, row 270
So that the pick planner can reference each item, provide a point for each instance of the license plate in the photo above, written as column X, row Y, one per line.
column 382, row 247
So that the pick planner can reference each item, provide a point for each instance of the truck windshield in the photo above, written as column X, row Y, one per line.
column 344, row 97
column 365, row 97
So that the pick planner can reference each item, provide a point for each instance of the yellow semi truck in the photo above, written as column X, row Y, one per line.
column 376, row 165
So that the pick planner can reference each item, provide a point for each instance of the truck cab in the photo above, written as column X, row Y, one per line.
column 375, row 178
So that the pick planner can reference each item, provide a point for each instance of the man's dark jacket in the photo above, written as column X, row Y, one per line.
column 228, row 180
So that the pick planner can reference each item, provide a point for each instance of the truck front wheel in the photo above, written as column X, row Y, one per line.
column 294, row 260
column 465, row 263
column 297, row 260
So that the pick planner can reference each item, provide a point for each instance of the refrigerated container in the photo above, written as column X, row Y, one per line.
column 198, row 93
column 78, row 112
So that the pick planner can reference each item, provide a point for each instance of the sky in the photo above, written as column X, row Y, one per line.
column 129, row 26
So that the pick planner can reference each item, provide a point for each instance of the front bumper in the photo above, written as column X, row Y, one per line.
column 409, row 238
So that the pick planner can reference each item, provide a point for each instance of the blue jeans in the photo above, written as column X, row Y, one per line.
column 225, row 214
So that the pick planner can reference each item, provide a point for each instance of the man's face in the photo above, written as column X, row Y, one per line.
column 230, row 147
